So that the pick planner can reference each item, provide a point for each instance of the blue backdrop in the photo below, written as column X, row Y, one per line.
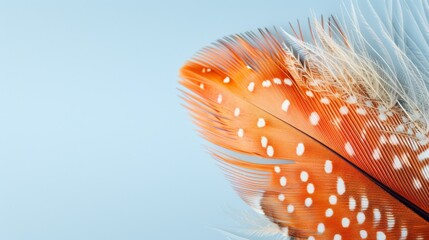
column 94, row 143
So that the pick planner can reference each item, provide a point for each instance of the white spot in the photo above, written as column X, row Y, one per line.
column 264, row 141
column 308, row 202
column 202, row 86
column 404, row 233
column 361, row 111
column 320, row 228
column 417, row 184
column 287, row 81
column 383, row 139
column 360, row 217
column 290, row 208
column 266, row 83
column 240, row 132
column 390, row 221
column 400, row 128
column 311, row 238
column 304, row 176
column 285, row 105
column 363, row 234
column 337, row 237
column 425, row 172
column 281, row 197
column 277, row 81
column 333, row 199
column 328, row 166
column 341, row 186
column 251, row 86
column 277, row 169
column 329, row 212
column 283, row 181
column 309, row 93
column 349, row 149
column 345, row 222
column 270, row 151
column 351, row 100
column 352, row 204
column 261, row 123
column 394, row 139
column 237, row 112
column 420, row 136
column 209, row 70
column 381, row 235
column 369, row 104
column 324, row 100
column 377, row 215
column 314, row 118
column 300, row 149
column 310, row 188
column 219, row 98
column 376, row 154
column 423, row 155
column 397, row 163
column 344, row 110
column 424, row 141
column 226, row 80
column 382, row 117
column 364, row 202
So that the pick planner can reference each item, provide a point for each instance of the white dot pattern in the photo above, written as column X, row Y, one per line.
column 341, row 186
column 367, row 137
column 300, row 149
column 283, row 181
column 314, row 118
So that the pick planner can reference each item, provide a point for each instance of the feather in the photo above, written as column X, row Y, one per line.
column 256, row 226
column 339, row 125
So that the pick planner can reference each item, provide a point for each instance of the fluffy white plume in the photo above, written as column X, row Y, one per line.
column 380, row 54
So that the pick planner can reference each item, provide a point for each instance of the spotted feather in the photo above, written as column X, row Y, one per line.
column 357, row 165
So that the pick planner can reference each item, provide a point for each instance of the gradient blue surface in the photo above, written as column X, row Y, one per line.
column 93, row 141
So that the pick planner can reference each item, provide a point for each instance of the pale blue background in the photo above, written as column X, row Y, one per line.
column 93, row 141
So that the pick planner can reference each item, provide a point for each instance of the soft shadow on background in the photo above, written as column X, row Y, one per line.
column 93, row 141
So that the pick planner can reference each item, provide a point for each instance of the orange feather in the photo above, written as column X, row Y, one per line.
column 355, row 172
